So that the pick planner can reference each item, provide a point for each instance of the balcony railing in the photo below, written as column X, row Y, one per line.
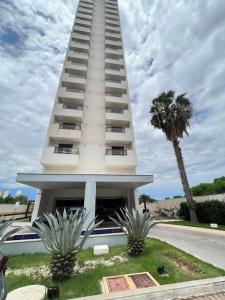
column 79, row 63
column 72, row 106
column 74, row 90
column 65, row 150
column 114, row 95
column 76, row 76
column 70, row 126
column 114, row 80
column 115, row 129
column 114, row 110
column 121, row 152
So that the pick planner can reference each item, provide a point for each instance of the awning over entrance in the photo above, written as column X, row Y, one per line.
column 71, row 181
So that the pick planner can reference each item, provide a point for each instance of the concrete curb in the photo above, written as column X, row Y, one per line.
column 196, row 229
column 168, row 291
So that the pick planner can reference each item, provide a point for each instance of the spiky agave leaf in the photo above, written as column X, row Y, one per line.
column 134, row 224
column 63, row 232
column 5, row 232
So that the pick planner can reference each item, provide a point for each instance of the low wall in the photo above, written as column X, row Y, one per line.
column 37, row 246
column 175, row 203
column 6, row 209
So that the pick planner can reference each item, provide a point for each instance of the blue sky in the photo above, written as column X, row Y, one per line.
column 168, row 45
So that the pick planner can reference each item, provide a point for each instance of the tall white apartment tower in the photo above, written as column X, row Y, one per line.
column 89, row 157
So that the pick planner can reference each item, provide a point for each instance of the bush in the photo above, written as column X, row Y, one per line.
column 207, row 212
column 184, row 212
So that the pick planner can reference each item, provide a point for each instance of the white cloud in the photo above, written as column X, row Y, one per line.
column 168, row 45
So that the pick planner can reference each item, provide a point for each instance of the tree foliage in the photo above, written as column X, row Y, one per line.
column 143, row 198
column 208, row 212
column 216, row 187
column 12, row 200
column 171, row 114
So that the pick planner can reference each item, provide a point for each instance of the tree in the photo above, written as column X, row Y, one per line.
column 215, row 187
column 62, row 237
column 143, row 198
column 172, row 115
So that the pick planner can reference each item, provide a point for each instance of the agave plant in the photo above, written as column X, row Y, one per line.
column 62, row 237
column 5, row 232
column 136, row 226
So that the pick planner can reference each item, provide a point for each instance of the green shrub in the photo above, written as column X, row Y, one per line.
column 184, row 212
column 207, row 212
column 211, row 212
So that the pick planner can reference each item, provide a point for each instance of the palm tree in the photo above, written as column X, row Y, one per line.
column 143, row 198
column 172, row 115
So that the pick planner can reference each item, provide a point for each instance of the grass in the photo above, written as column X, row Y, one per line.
column 179, row 265
column 188, row 223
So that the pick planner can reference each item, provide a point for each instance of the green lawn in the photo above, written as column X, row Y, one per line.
column 179, row 265
column 188, row 223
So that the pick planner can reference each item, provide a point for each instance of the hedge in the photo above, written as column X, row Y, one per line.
column 207, row 212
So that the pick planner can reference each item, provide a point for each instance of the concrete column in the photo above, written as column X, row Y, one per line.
column 131, row 199
column 90, row 201
column 36, row 205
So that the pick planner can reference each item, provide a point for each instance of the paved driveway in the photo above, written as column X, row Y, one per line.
column 206, row 246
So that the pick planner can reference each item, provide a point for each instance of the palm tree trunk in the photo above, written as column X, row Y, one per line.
column 145, row 204
column 184, row 180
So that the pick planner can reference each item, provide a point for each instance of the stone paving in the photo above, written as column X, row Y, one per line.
column 219, row 296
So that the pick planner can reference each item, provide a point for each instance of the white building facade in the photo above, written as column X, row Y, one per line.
column 89, row 157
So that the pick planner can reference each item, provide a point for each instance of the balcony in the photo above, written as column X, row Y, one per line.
column 118, row 135
column 112, row 29
column 90, row 2
column 77, row 54
column 114, row 85
column 85, row 11
column 59, row 157
column 115, row 99
column 111, row 62
column 69, row 65
column 77, row 44
column 111, row 23
column 112, row 36
column 111, row 17
column 82, row 37
column 115, row 71
column 67, row 94
column 86, row 5
column 68, row 112
column 69, row 80
column 84, row 17
column 82, row 22
column 112, row 45
column 113, row 3
column 82, row 32
column 114, row 51
column 125, row 158
column 117, row 116
column 114, row 57
column 110, row 8
column 82, row 29
column 111, row 11
column 64, row 132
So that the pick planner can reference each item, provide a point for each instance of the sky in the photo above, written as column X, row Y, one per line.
column 169, row 44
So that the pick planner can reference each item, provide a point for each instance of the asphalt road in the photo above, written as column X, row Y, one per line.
column 206, row 246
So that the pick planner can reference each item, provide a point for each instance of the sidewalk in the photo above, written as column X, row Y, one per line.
column 196, row 229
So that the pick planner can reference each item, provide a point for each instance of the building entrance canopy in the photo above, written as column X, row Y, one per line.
column 71, row 181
